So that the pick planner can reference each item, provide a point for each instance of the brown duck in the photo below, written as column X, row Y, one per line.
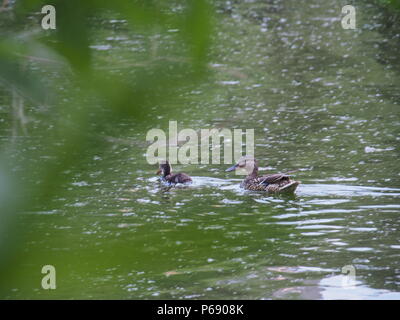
column 273, row 183
column 165, row 170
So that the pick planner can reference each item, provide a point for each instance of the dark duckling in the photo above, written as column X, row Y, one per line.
column 165, row 170
column 273, row 183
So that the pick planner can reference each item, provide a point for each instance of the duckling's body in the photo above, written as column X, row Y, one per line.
column 172, row 178
column 273, row 183
column 177, row 178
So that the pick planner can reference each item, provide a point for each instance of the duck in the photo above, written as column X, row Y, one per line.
column 167, row 176
column 272, row 183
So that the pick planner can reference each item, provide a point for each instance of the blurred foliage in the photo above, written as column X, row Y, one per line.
column 61, row 94
column 89, row 95
column 392, row 3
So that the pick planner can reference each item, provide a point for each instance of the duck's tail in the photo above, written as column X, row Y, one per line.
column 290, row 187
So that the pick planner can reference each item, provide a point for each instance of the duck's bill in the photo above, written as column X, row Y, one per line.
column 232, row 168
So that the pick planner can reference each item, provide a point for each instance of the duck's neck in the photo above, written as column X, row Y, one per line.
column 253, row 174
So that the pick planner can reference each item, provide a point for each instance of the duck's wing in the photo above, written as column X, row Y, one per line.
column 273, row 178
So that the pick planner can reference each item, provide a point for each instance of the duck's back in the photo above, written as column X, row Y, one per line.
column 277, row 178
column 278, row 182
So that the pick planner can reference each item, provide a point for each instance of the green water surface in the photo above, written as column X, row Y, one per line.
column 321, row 99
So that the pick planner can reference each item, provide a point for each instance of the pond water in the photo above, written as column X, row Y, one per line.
column 322, row 100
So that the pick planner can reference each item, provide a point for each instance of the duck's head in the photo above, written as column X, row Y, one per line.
column 164, row 168
column 245, row 165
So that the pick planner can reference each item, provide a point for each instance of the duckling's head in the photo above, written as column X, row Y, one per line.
column 246, row 165
column 164, row 168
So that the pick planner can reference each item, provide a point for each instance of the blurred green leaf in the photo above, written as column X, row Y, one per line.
column 14, row 72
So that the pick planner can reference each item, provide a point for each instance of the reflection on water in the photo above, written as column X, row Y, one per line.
column 332, row 289
column 321, row 100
